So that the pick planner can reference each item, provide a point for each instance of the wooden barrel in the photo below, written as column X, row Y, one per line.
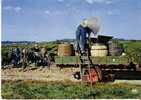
column 99, row 50
column 115, row 49
column 65, row 49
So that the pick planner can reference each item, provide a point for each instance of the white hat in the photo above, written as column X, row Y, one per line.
column 84, row 23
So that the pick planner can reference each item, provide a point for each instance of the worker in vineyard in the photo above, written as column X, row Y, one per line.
column 13, row 56
column 81, row 36
column 16, row 57
column 36, row 48
column 36, row 53
column 43, row 53
column 24, row 57
column 45, row 59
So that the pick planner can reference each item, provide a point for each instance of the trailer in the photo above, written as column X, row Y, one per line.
column 94, row 69
column 106, row 68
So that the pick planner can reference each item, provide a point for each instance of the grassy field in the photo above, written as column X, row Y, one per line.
column 133, row 49
column 60, row 90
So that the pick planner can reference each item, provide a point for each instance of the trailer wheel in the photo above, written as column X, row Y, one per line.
column 91, row 76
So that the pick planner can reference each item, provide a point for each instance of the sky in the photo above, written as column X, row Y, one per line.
column 49, row 20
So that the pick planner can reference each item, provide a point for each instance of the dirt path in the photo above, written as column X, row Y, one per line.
column 45, row 74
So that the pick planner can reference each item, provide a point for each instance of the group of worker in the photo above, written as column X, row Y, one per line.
column 35, row 55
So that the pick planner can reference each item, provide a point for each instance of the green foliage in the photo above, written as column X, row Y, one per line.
column 133, row 49
column 56, row 90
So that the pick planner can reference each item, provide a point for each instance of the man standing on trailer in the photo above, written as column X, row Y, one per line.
column 81, row 36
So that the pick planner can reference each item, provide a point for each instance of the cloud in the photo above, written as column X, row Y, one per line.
column 99, row 1
column 7, row 8
column 11, row 8
column 90, row 1
column 47, row 12
column 68, row 5
column 53, row 13
column 60, row 0
column 110, row 13
column 108, row 2
column 17, row 9
column 113, row 12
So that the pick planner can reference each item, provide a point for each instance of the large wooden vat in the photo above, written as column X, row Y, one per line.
column 65, row 49
column 99, row 50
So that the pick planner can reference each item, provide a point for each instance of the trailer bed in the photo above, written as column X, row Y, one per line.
column 107, row 60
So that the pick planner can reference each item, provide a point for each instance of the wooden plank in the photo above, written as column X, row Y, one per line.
column 130, row 75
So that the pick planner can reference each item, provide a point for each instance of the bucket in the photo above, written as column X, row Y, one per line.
column 99, row 50
column 115, row 49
